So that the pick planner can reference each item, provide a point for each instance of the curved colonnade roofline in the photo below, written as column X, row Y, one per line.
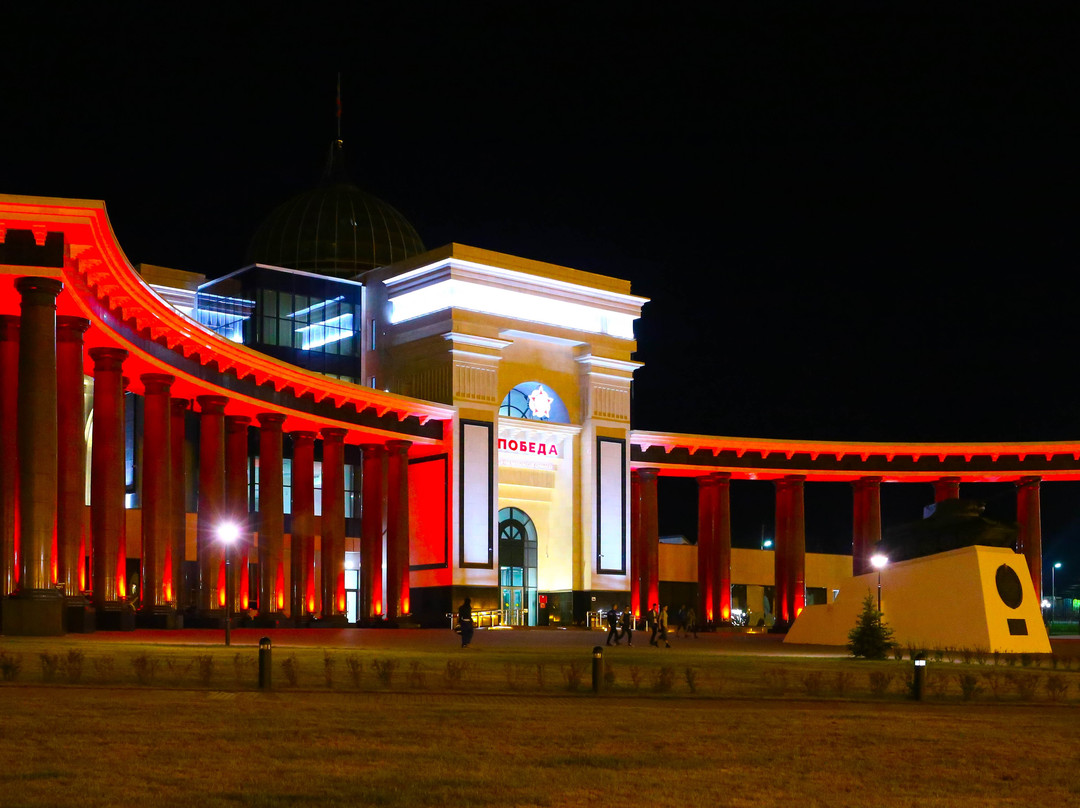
column 682, row 455
column 101, row 285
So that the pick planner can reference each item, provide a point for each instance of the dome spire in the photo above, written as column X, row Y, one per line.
column 335, row 161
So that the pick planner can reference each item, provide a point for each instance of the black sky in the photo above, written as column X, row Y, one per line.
column 854, row 222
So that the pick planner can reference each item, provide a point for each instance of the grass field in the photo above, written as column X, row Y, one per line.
column 757, row 731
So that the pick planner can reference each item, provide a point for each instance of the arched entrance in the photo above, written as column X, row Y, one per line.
column 517, row 567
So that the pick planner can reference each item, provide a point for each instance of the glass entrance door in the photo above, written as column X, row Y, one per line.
column 517, row 567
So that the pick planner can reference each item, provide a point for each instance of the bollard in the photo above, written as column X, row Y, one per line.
column 265, row 667
column 919, row 685
column 597, row 667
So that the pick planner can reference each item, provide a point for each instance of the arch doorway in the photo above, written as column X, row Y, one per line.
column 517, row 567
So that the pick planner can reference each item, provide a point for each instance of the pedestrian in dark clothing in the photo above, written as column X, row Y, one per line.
column 663, row 627
column 691, row 621
column 628, row 625
column 465, row 622
column 613, row 624
column 680, row 621
column 653, row 622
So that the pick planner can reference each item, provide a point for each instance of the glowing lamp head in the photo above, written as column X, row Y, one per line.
column 228, row 532
column 878, row 560
column 767, row 544
column 1057, row 565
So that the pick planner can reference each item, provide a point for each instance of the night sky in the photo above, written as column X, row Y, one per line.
column 853, row 224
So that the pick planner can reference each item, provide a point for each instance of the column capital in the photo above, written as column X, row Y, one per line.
column 178, row 406
column 706, row 481
column 212, row 405
column 373, row 449
column 303, row 436
column 333, row 434
column 270, row 420
column 1028, row 482
column 106, row 359
column 866, row 482
column 236, row 422
column 398, row 446
column 9, row 327
column 645, row 474
column 39, row 291
column 156, row 382
column 70, row 329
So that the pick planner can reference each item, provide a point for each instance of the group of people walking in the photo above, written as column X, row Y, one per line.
column 621, row 624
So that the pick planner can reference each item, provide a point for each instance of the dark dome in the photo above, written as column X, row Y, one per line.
column 335, row 229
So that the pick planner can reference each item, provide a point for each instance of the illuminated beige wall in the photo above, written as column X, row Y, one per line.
column 678, row 562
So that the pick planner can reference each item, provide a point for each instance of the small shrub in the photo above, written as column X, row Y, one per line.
column 982, row 656
column 841, row 682
column 513, row 675
column 10, row 665
column 1056, row 687
column 912, row 651
column 103, row 668
column 178, row 668
column 50, row 666
column 609, row 675
column 938, row 684
column 939, row 654
column 871, row 637
column 329, row 662
column 880, row 682
column 204, row 669
column 290, row 666
column 1026, row 660
column 663, row 679
column 243, row 668
column 417, row 677
column 691, row 674
column 1054, row 661
column 635, row 676
column 384, row 671
column 573, row 674
column 775, row 680
column 813, row 683
column 1026, row 686
column 996, row 682
column 969, row 686
column 454, row 672
column 73, row 666
column 966, row 654
column 897, row 652
column 145, row 667
column 356, row 669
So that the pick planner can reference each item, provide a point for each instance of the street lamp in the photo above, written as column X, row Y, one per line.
column 878, row 562
column 766, row 544
column 1053, row 587
column 227, row 535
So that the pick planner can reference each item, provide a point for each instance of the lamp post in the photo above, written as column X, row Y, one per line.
column 227, row 535
column 1053, row 588
column 878, row 562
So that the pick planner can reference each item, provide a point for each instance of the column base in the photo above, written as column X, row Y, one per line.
column 79, row 616
column 34, row 613
column 115, row 617
column 160, row 617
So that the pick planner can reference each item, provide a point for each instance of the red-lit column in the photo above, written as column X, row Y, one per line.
column 636, row 563
column 371, row 495
column 302, row 551
column 1029, row 515
column 271, row 515
column 706, row 546
column 866, row 522
column 333, row 524
column 790, row 550
column 650, row 536
column 107, row 477
column 177, row 553
column 946, row 488
column 722, row 548
column 71, row 457
column 37, row 441
column 9, row 461
column 156, row 489
column 236, row 501
column 212, row 510
column 397, row 528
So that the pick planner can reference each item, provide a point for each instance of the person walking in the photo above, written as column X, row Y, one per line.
column 628, row 626
column 680, row 620
column 691, row 621
column 465, row 622
column 663, row 627
column 653, row 623
column 613, row 624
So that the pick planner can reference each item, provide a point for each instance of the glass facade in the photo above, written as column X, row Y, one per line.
column 517, row 567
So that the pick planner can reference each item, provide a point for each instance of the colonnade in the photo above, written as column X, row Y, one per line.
column 789, row 548
column 43, row 544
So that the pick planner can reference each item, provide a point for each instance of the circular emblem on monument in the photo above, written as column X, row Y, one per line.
column 540, row 403
column 1008, row 586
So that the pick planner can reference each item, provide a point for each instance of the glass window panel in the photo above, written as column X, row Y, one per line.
column 517, row 576
column 270, row 330
column 285, row 304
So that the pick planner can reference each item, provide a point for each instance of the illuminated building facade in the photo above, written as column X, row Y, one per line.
column 391, row 428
